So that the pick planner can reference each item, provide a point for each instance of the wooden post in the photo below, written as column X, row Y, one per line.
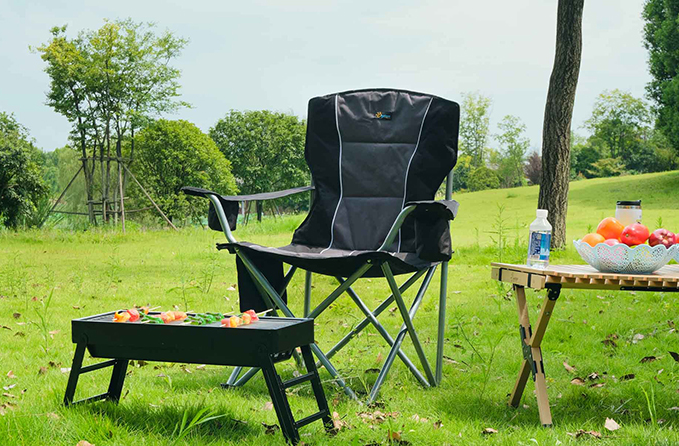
column 61, row 196
column 149, row 197
column 122, row 196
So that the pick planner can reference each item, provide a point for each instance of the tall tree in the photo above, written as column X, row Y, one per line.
column 556, row 131
column 21, row 181
column 108, row 83
column 266, row 150
column 474, row 126
column 661, row 38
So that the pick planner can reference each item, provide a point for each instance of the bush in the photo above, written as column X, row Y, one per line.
column 483, row 178
column 607, row 167
column 21, row 182
column 173, row 154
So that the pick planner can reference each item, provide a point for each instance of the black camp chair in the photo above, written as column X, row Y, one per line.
column 377, row 158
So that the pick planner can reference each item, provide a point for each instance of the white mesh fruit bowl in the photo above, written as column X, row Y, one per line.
column 621, row 259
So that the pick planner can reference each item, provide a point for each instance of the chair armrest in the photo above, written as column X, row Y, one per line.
column 442, row 209
column 223, row 212
column 199, row 192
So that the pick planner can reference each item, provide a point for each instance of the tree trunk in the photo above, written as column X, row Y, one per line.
column 259, row 211
column 556, row 131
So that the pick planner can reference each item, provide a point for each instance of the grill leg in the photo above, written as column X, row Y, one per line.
column 75, row 372
column 278, row 398
column 115, row 387
column 317, row 386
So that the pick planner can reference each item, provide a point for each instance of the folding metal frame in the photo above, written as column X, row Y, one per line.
column 272, row 297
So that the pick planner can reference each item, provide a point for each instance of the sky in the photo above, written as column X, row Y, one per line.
column 276, row 55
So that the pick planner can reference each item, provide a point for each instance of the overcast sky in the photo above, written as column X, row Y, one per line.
column 269, row 54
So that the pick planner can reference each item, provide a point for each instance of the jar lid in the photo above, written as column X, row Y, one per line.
column 629, row 203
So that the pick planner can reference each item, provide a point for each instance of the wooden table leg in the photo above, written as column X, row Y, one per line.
column 532, row 352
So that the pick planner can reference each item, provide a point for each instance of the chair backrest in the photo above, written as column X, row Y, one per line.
column 370, row 152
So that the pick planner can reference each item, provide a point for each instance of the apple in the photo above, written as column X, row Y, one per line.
column 662, row 237
column 612, row 242
column 634, row 234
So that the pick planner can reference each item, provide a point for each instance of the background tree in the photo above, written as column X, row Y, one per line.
column 556, row 130
column 173, row 154
column 21, row 182
column 619, row 123
column 474, row 126
column 533, row 168
column 661, row 38
column 108, row 83
column 266, row 150
column 513, row 144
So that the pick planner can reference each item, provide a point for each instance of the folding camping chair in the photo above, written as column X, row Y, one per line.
column 377, row 158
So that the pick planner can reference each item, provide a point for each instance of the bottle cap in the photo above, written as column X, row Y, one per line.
column 542, row 213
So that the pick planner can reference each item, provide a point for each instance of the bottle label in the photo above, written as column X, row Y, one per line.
column 538, row 248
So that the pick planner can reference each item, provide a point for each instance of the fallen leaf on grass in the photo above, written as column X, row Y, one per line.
column 338, row 423
column 20, row 334
column 593, row 376
column 42, row 370
column 268, row 406
column 200, row 367
column 673, row 408
column 8, row 395
column 11, row 386
column 648, row 359
column 582, row 432
column 438, row 424
column 637, row 337
column 489, row 431
column 396, row 437
column 11, row 374
column 674, row 356
column 231, row 288
column 627, row 377
column 65, row 369
column 597, row 385
column 611, row 424
column 270, row 429
column 16, row 315
column 373, row 370
column 417, row 418
column 569, row 368
column 76, row 307
column 578, row 381
column 449, row 360
column 84, row 443
column 6, row 327
column 52, row 415
column 376, row 417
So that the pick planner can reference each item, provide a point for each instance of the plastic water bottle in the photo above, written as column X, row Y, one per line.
column 540, row 241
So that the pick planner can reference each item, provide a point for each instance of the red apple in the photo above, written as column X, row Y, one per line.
column 612, row 241
column 634, row 234
column 662, row 237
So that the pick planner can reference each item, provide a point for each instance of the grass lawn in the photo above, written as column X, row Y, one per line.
column 101, row 270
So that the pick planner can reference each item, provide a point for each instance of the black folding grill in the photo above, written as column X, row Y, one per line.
column 260, row 344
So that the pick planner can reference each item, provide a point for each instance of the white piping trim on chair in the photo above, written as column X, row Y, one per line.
column 339, row 135
column 405, row 184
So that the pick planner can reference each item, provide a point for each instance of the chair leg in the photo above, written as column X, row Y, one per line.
column 441, row 334
column 76, row 365
column 399, row 339
column 307, row 294
column 385, row 335
column 408, row 321
column 269, row 291
column 365, row 322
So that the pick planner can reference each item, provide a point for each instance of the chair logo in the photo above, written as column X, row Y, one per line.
column 383, row 116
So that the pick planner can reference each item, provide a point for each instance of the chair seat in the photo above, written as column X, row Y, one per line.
column 333, row 262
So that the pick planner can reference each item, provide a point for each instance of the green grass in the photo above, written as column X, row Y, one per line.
column 91, row 272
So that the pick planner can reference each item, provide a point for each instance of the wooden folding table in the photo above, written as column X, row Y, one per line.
column 553, row 279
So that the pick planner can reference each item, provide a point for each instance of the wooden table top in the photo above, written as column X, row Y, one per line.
column 584, row 276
